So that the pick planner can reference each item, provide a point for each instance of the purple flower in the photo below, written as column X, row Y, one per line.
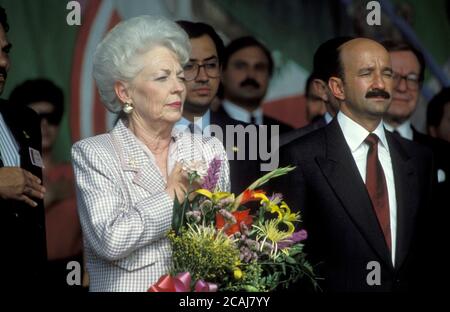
column 212, row 175
column 276, row 198
column 294, row 238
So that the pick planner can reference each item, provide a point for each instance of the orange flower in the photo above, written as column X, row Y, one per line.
column 250, row 195
column 241, row 216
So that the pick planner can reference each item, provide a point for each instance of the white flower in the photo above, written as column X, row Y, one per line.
column 200, row 167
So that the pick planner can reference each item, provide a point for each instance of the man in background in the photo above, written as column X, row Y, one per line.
column 247, row 69
column 202, row 74
column 408, row 65
column 63, row 229
column 22, row 220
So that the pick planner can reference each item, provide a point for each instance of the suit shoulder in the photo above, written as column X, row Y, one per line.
column 414, row 148
column 308, row 144
column 101, row 141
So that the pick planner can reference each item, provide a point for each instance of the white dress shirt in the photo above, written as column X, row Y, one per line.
column 355, row 135
column 328, row 117
column 238, row 113
column 9, row 149
column 404, row 129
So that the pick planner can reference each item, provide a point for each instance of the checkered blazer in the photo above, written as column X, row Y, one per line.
column 124, row 209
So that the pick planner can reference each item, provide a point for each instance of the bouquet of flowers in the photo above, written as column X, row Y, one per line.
column 220, row 245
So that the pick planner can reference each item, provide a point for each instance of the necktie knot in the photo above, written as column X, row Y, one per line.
column 372, row 139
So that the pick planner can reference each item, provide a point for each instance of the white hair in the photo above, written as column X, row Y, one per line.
column 115, row 57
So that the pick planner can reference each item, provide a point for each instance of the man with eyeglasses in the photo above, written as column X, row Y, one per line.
column 408, row 65
column 22, row 223
column 202, row 75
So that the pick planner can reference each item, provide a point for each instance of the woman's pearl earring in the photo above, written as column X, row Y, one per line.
column 128, row 108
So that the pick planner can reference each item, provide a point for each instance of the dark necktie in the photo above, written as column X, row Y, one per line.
column 377, row 188
column 397, row 133
column 252, row 120
column 191, row 127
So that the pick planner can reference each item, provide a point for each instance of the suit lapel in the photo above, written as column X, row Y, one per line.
column 342, row 174
column 405, row 184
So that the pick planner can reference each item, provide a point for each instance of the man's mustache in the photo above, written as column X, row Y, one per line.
column 250, row 82
column 378, row 93
column 3, row 72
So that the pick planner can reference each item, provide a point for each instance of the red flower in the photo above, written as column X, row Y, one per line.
column 249, row 195
column 241, row 216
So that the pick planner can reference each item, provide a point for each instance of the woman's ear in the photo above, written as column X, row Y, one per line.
column 122, row 92
column 337, row 88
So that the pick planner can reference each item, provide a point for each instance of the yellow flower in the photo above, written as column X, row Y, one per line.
column 288, row 217
column 237, row 273
column 269, row 232
column 216, row 196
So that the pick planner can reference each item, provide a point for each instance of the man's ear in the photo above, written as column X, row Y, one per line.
column 320, row 89
column 122, row 92
column 337, row 88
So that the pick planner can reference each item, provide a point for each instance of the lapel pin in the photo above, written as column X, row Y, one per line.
column 25, row 134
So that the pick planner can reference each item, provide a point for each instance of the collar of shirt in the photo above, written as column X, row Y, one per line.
column 404, row 129
column 355, row 134
column 328, row 117
column 239, row 113
column 200, row 122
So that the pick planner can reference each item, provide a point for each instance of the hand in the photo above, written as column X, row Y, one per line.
column 177, row 183
column 18, row 184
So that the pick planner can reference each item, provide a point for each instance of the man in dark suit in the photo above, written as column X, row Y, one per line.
column 408, row 65
column 202, row 74
column 247, row 68
column 362, row 191
column 22, row 221
column 322, row 71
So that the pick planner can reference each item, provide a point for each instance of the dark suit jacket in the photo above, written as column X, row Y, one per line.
column 344, row 235
column 441, row 153
column 284, row 128
column 22, row 238
column 290, row 136
column 243, row 172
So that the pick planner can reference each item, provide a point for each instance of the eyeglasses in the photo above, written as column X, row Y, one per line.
column 191, row 70
column 51, row 118
column 412, row 80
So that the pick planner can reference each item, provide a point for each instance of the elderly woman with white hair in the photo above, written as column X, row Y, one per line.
column 127, row 179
